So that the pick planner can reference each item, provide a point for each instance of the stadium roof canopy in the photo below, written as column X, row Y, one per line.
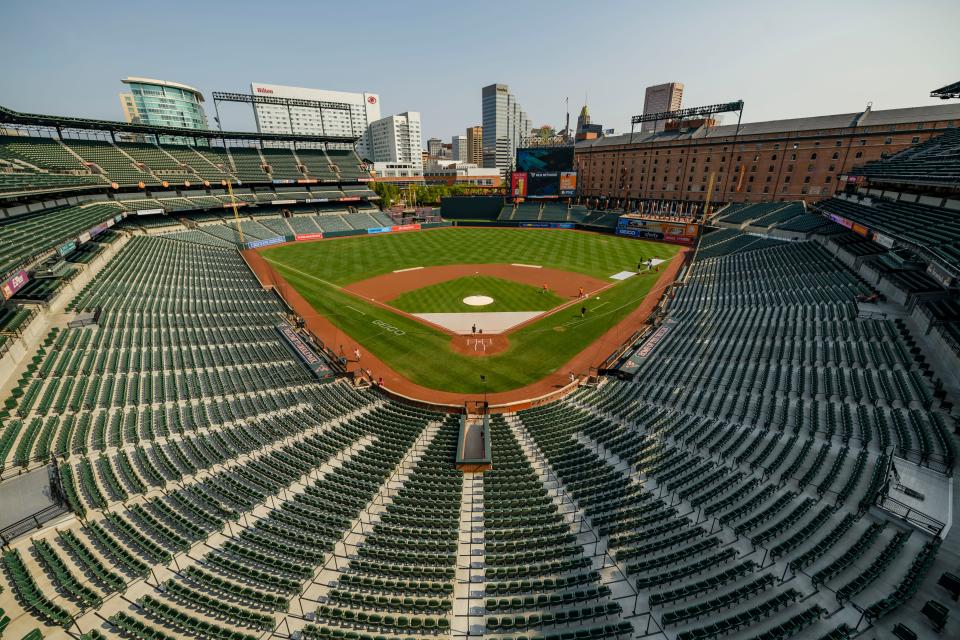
column 886, row 117
column 11, row 117
column 945, row 93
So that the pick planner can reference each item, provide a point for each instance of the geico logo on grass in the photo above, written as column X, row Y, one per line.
column 389, row 327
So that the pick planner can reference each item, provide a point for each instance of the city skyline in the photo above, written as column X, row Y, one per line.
column 822, row 66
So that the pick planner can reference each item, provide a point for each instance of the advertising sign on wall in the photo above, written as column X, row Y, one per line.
column 633, row 227
column 882, row 240
column 14, row 284
column 840, row 220
column 548, row 225
column 518, row 187
column 568, row 183
column 309, row 236
column 255, row 244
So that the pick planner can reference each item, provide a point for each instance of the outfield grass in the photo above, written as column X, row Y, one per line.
column 447, row 297
column 423, row 354
column 347, row 260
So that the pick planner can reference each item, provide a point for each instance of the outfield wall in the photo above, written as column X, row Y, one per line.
column 471, row 207
column 324, row 235
column 530, row 224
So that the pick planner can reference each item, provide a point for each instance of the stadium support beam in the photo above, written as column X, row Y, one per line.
column 690, row 112
column 253, row 100
column 947, row 92
column 59, row 123
column 226, row 96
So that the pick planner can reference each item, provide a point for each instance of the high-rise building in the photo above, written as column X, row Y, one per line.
column 363, row 108
column 475, row 145
column 435, row 147
column 661, row 97
column 397, row 139
column 458, row 145
column 163, row 103
column 505, row 124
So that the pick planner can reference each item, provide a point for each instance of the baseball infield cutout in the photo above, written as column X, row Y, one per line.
column 477, row 301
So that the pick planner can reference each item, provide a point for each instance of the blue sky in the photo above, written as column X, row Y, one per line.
column 784, row 59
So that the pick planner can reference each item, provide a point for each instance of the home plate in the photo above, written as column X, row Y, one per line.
column 488, row 321
column 623, row 275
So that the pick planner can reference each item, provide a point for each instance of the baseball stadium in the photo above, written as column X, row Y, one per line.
column 243, row 398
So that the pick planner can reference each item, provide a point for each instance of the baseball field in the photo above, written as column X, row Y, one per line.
column 386, row 291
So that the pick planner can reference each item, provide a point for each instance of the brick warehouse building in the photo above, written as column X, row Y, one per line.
column 796, row 159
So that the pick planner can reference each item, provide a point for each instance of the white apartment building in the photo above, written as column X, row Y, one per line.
column 397, row 139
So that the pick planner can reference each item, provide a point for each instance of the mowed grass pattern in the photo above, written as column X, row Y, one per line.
column 347, row 260
column 422, row 354
column 447, row 297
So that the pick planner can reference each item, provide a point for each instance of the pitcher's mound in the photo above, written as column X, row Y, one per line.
column 478, row 301
column 479, row 345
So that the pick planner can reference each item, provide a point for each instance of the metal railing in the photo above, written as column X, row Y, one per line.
column 908, row 513
column 31, row 522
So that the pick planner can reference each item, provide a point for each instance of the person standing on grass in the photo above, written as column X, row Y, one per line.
column 640, row 266
column 583, row 311
column 544, row 288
